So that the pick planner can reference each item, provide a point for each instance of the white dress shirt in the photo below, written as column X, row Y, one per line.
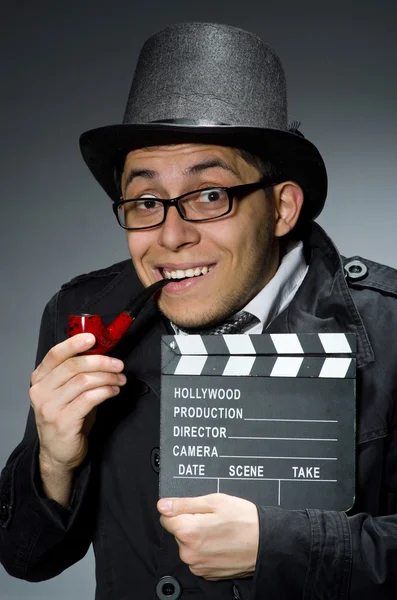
column 278, row 293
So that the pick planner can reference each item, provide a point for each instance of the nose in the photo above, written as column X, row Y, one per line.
column 176, row 233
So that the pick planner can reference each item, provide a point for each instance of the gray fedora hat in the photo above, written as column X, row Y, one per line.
column 215, row 84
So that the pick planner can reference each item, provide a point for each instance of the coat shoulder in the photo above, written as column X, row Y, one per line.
column 362, row 273
column 109, row 272
column 98, row 290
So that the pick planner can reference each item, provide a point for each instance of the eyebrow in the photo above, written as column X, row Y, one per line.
column 209, row 163
column 133, row 173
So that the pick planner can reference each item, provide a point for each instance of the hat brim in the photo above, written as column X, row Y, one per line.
column 295, row 156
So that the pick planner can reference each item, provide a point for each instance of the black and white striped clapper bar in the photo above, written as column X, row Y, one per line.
column 270, row 418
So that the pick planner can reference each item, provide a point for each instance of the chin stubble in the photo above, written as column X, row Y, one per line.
column 227, row 304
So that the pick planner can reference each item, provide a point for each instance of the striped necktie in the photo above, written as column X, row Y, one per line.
column 238, row 324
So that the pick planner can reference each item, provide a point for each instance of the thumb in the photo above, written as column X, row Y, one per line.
column 172, row 507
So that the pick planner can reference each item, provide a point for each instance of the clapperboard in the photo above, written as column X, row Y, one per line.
column 269, row 418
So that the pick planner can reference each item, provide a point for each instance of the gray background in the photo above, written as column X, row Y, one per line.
column 67, row 66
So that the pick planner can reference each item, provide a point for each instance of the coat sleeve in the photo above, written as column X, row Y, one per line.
column 324, row 554
column 38, row 537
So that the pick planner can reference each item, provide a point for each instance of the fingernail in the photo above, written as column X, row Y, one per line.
column 117, row 363
column 89, row 339
column 165, row 506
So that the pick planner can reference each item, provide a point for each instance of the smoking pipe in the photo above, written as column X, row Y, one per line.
column 107, row 337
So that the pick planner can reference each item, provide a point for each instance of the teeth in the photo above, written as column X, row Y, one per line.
column 180, row 274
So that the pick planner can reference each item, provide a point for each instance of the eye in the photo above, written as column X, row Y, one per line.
column 213, row 195
column 146, row 202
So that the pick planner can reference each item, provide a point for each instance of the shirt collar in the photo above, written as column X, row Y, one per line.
column 278, row 293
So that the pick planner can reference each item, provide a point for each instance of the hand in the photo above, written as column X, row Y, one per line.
column 66, row 390
column 217, row 535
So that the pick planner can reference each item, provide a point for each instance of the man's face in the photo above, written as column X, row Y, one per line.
column 236, row 254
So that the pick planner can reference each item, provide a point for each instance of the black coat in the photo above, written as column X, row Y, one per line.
column 308, row 554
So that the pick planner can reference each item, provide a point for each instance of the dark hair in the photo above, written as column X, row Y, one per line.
column 273, row 173
column 267, row 169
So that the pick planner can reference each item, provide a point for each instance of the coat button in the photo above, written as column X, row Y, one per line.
column 356, row 270
column 168, row 588
column 155, row 459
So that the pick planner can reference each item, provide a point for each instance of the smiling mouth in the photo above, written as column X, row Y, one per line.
column 185, row 273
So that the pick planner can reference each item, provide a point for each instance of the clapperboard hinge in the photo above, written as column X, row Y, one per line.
column 324, row 355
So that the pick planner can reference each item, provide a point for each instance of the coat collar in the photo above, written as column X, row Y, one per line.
column 323, row 303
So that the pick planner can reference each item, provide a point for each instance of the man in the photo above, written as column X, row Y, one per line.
column 218, row 196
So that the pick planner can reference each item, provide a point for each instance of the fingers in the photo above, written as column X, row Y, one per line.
column 63, row 379
column 185, row 526
column 66, row 389
column 67, row 419
column 217, row 534
column 79, row 369
column 76, row 376
column 182, row 514
column 86, row 390
column 61, row 352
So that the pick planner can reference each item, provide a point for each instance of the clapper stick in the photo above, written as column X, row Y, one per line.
column 269, row 417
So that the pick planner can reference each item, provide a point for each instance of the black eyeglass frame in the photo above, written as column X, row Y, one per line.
column 232, row 193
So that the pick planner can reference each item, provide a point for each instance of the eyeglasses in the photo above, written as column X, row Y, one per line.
column 200, row 205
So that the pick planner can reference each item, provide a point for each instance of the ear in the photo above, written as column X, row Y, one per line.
column 288, row 201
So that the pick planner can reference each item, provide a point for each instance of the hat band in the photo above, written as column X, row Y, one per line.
column 196, row 122
column 292, row 128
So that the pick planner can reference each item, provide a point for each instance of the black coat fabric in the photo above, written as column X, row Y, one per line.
column 305, row 554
